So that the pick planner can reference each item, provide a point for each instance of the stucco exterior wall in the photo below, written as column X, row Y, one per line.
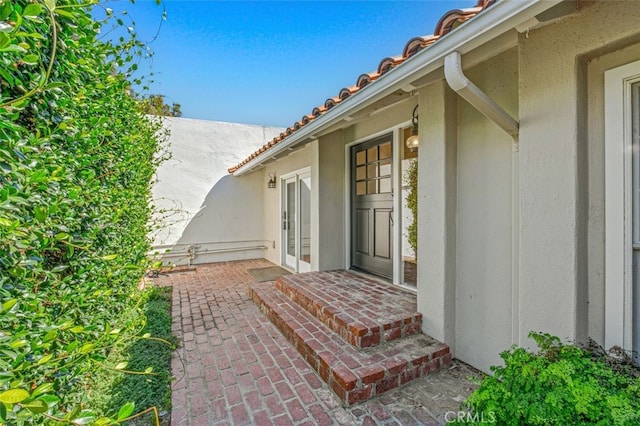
column 197, row 200
column 329, row 175
column 271, row 209
column 561, row 185
column 465, row 214
column 484, row 206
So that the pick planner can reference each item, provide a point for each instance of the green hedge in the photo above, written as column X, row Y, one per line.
column 77, row 155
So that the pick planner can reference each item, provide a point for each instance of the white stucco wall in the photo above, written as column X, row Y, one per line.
column 196, row 199
column 561, row 199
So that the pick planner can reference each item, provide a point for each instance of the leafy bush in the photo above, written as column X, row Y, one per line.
column 560, row 385
column 412, row 203
column 77, row 154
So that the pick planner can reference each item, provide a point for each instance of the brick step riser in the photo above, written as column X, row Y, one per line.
column 357, row 335
column 349, row 388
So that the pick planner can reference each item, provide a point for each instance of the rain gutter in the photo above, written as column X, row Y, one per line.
column 501, row 17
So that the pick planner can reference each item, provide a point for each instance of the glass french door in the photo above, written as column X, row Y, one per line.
column 296, row 221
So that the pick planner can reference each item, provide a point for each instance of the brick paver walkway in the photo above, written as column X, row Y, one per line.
column 235, row 368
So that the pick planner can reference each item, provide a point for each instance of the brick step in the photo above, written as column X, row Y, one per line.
column 354, row 374
column 363, row 312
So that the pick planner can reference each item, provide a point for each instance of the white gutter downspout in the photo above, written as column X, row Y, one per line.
column 476, row 97
column 479, row 100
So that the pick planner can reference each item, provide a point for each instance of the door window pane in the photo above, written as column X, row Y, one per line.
column 361, row 158
column 372, row 187
column 361, row 173
column 372, row 171
column 385, row 168
column 385, row 151
column 291, row 218
column 305, row 220
column 385, row 185
column 372, row 154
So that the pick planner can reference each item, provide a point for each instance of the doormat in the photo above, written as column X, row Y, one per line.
column 270, row 273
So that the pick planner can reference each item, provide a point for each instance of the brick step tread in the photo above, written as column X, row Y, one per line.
column 363, row 312
column 354, row 374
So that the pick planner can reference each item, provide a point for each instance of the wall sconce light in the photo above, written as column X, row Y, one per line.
column 272, row 180
column 413, row 141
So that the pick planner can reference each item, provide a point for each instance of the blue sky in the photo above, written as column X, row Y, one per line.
column 269, row 62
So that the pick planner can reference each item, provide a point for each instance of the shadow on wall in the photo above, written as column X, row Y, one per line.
column 228, row 225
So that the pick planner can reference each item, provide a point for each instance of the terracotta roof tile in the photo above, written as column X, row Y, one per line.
column 447, row 22
column 318, row 111
column 367, row 78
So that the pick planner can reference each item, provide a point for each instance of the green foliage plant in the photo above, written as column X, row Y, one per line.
column 77, row 156
column 115, row 386
column 412, row 203
column 562, row 384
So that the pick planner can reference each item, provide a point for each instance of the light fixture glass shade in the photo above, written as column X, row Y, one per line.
column 412, row 142
column 272, row 180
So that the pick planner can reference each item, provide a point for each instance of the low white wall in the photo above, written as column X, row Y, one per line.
column 204, row 214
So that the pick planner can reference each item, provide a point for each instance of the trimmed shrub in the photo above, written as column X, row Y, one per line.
column 560, row 385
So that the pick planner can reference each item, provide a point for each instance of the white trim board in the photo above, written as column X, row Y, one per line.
column 618, row 205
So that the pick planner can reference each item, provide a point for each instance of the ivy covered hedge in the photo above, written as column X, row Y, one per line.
column 77, row 155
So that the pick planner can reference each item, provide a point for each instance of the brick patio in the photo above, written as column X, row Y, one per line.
column 235, row 368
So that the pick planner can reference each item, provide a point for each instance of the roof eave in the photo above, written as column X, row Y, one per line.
column 501, row 17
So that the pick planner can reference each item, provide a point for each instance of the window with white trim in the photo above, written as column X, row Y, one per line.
column 622, row 207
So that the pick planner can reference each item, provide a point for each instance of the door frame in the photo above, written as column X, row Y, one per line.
column 396, row 167
column 618, row 206
column 297, row 265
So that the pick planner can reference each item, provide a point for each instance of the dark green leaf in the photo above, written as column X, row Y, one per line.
column 41, row 213
column 36, row 406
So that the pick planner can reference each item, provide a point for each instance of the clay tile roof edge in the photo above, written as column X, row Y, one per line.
column 446, row 24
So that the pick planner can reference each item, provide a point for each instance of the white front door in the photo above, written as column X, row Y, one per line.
column 622, row 202
column 296, row 221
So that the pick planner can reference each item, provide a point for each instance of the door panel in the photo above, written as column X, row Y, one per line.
column 372, row 206
column 362, row 231
column 382, row 242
